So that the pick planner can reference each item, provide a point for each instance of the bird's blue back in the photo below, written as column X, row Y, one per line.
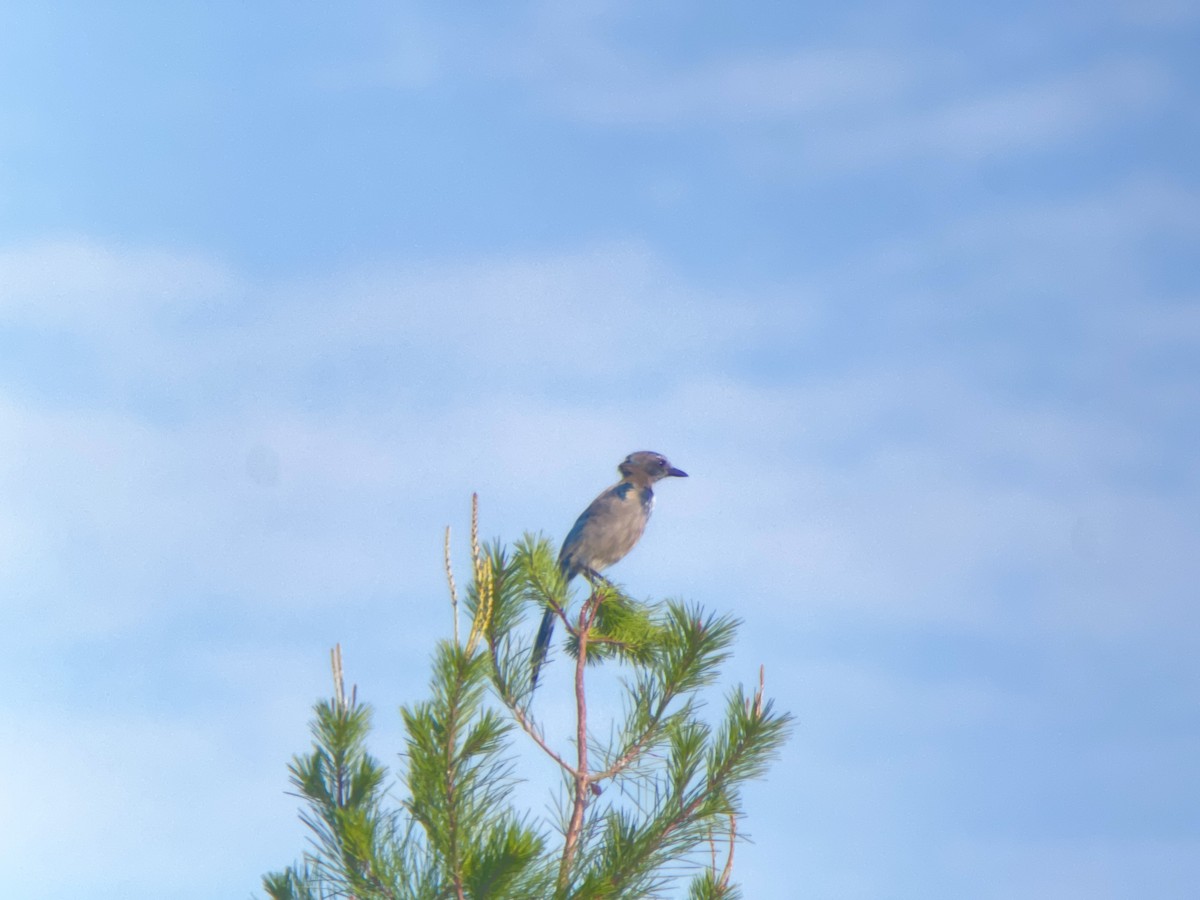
column 606, row 531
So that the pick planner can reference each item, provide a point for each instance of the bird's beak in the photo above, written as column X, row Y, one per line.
column 678, row 473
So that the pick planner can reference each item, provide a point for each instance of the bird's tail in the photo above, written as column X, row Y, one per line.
column 541, row 646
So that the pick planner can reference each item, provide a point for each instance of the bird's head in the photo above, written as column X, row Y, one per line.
column 647, row 467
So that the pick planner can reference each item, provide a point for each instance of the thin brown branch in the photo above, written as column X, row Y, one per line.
column 622, row 762
column 546, row 592
column 635, row 747
column 504, row 692
column 530, row 729
column 634, row 750
column 583, row 781
column 608, row 641
column 689, row 810
column 723, row 883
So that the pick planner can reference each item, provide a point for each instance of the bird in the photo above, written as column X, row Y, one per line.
column 606, row 531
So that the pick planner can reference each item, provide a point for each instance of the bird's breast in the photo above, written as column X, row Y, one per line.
column 646, row 496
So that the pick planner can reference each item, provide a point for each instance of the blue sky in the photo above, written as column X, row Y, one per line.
column 911, row 290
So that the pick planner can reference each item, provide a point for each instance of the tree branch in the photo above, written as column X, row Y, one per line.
column 587, row 616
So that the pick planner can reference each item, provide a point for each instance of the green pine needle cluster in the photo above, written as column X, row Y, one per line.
column 652, row 811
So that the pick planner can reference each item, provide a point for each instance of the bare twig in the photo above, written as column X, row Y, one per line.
column 638, row 744
column 339, row 681
column 728, row 870
column 623, row 761
column 528, row 726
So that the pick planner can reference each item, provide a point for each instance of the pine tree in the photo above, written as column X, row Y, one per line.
column 647, row 813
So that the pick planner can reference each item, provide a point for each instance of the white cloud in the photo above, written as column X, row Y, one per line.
column 815, row 109
column 133, row 799
column 973, row 125
column 904, row 496
column 904, row 479
column 1157, row 14
column 609, row 310
column 751, row 89
column 405, row 50
column 80, row 284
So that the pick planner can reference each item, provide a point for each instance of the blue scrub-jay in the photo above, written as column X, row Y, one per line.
column 607, row 530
